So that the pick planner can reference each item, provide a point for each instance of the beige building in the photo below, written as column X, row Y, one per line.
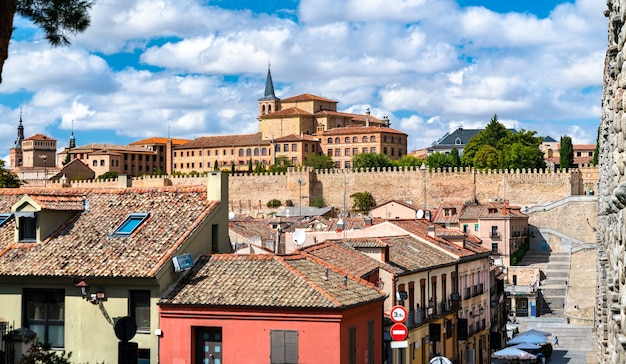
column 33, row 157
column 293, row 128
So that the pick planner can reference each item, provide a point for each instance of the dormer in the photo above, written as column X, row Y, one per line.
column 38, row 216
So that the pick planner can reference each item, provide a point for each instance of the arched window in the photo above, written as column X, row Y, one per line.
column 337, row 140
column 393, row 139
column 458, row 141
column 263, row 151
column 385, row 139
column 263, row 110
column 101, row 162
column 269, row 108
column 364, row 139
column 330, row 140
column 256, row 151
column 373, row 138
column 399, row 140
column 95, row 163
column 347, row 140
column 355, row 139
column 241, row 152
column 248, row 152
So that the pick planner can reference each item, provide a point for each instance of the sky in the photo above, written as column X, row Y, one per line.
column 192, row 68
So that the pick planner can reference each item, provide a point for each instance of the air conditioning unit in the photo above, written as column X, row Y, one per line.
column 182, row 262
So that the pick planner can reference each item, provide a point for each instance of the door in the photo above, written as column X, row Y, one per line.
column 208, row 345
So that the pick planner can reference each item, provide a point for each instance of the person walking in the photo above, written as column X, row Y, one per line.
column 556, row 341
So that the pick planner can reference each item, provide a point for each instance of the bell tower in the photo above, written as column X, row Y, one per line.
column 269, row 103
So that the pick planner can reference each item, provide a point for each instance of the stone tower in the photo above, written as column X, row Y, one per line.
column 611, row 270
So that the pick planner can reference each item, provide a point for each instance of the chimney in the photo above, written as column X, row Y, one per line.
column 431, row 231
column 217, row 186
column 123, row 181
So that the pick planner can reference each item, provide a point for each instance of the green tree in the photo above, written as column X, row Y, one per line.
column 487, row 157
column 281, row 164
column 491, row 135
column 319, row 161
column 57, row 18
column 67, row 159
column 454, row 160
column 371, row 160
column 108, row 175
column 40, row 353
column 7, row 178
column 273, row 203
column 408, row 160
column 533, row 155
column 232, row 167
column 250, row 165
column 216, row 166
column 566, row 152
column 318, row 202
column 437, row 160
column 363, row 201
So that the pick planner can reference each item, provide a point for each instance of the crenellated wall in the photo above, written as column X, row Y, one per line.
column 421, row 187
column 611, row 268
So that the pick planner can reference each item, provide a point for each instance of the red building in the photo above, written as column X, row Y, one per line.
column 271, row 309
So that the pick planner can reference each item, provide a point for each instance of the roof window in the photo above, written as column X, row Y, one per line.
column 4, row 218
column 131, row 223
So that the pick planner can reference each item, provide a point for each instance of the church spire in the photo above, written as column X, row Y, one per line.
column 20, row 133
column 72, row 138
column 269, row 86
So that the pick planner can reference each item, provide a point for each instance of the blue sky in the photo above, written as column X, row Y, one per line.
column 193, row 68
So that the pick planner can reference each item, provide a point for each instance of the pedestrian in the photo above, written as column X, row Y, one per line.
column 556, row 341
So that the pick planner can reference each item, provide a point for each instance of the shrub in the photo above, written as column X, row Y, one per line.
column 318, row 202
column 274, row 203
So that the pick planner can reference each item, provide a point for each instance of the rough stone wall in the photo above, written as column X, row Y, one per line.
column 611, row 302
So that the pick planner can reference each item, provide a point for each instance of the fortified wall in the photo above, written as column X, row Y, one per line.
column 421, row 187
column 611, row 301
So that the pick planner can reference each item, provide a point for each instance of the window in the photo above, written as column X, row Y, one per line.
column 306, row 148
column 337, row 152
column 346, row 140
column 355, row 151
column 4, row 218
column 385, row 138
column 248, row 152
column 372, row 138
column 294, row 147
column 364, row 150
column 578, row 154
column 43, row 312
column 330, row 152
column 356, row 139
column 337, row 140
column 347, row 164
column 330, row 141
column 352, row 345
column 494, row 247
column 256, row 151
column 241, row 152
column 393, row 139
column 347, row 152
column 27, row 227
column 475, row 227
column 101, row 162
column 465, row 228
column 285, row 147
column 130, row 224
column 277, row 148
column 139, row 309
column 458, row 141
column 95, row 163
column 283, row 346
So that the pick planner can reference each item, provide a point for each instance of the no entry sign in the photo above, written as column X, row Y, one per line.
column 398, row 332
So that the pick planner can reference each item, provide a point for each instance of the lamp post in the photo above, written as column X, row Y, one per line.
column 300, row 182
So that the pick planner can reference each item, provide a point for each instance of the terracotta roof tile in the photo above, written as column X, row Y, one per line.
column 356, row 129
column 83, row 246
column 292, row 281
column 155, row 140
column 68, row 203
column 290, row 111
column 306, row 97
column 225, row 141
column 39, row 137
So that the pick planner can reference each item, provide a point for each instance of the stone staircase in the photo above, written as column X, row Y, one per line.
column 555, row 268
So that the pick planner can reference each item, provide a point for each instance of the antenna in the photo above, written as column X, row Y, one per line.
column 299, row 237
column 419, row 214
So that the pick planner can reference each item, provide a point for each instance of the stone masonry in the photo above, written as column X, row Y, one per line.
column 611, row 277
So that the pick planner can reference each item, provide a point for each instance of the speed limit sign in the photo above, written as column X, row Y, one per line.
column 398, row 314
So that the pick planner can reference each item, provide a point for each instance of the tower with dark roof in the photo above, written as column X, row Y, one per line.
column 269, row 103
column 15, row 153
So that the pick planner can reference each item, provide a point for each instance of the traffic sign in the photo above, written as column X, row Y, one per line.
column 398, row 314
column 398, row 332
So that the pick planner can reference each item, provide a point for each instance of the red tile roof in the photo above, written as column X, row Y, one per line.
column 225, row 141
column 39, row 137
column 84, row 245
column 306, row 97
column 357, row 129
column 296, row 138
column 266, row 280
column 155, row 140
column 290, row 111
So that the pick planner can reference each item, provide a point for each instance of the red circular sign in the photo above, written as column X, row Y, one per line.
column 398, row 332
column 398, row 314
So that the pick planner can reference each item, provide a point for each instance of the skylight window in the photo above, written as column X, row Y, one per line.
column 131, row 223
column 4, row 218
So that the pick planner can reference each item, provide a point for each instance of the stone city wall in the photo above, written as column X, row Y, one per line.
column 421, row 187
column 611, row 302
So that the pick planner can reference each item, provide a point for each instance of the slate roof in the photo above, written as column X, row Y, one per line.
column 225, row 141
column 270, row 281
column 83, row 246
column 449, row 139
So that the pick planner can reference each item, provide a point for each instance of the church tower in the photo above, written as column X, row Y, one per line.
column 269, row 103
column 15, row 153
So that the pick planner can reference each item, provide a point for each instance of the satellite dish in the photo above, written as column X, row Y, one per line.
column 231, row 215
column 420, row 214
column 287, row 213
column 299, row 237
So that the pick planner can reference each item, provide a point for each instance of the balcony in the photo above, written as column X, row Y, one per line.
column 494, row 234
column 467, row 295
